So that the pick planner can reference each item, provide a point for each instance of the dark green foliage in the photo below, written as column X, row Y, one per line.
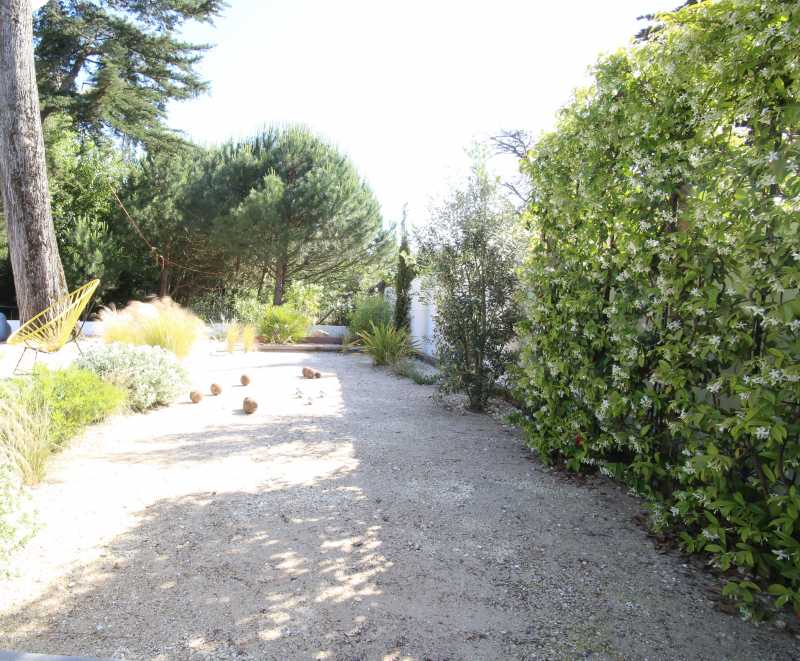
column 468, row 254
column 403, row 279
column 113, row 65
column 158, row 196
column 661, row 340
column 82, row 173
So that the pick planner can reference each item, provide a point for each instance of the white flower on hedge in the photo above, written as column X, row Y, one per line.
column 714, row 387
column 695, row 292
column 762, row 433
column 781, row 554
column 755, row 310
column 674, row 325
column 709, row 535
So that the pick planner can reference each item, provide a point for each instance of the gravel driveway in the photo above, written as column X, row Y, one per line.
column 351, row 517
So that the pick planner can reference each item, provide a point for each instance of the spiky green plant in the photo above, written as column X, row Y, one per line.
column 386, row 344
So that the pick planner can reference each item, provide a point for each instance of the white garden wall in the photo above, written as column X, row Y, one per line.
column 423, row 325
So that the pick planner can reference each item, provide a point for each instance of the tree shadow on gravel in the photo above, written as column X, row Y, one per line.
column 294, row 568
column 228, row 575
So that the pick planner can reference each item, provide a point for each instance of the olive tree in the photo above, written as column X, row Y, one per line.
column 468, row 254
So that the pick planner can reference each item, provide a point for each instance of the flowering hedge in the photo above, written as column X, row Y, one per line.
column 660, row 293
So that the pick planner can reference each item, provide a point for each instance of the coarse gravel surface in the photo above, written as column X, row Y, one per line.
column 353, row 516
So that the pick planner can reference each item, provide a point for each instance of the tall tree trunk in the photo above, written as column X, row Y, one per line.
column 38, row 273
column 280, row 283
column 163, row 281
column 261, row 283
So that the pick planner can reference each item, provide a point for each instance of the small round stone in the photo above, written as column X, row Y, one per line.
column 245, row 380
column 249, row 405
column 195, row 396
column 216, row 389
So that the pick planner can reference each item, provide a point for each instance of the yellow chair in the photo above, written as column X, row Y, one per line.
column 56, row 325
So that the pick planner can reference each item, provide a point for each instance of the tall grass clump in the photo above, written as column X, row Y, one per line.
column 248, row 338
column 231, row 337
column 369, row 310
column 162, row 323
column 283, row 324
column 386, row 344
column 24, row 439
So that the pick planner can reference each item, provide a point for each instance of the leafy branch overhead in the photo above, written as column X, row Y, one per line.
column 113, row 65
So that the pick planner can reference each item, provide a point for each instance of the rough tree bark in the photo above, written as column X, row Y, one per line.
column 280, row 283
column 38, row 273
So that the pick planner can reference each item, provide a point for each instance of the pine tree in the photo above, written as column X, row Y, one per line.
column 298, row 208
column 112, row 65
column 403, row 279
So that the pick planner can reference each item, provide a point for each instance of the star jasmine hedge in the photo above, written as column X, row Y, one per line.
column 660, row 292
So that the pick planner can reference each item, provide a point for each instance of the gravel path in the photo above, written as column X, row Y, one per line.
column 351, row 517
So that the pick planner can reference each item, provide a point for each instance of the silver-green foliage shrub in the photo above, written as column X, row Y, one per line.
column 152, row 376
column 661, row 341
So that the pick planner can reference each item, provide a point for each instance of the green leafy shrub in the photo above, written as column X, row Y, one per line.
column 386, row 344
column 306, row 298
column 283, row 324
column 41, row 413
column 151, row 376
column 162, row 323
column 248, row 310
column 468, row 255
column 661, row 340
column 75, row 398
column 369, row 311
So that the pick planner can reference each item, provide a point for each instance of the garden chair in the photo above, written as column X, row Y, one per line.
column 56, row 325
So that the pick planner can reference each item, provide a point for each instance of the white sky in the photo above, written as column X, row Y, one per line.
column 402, row 87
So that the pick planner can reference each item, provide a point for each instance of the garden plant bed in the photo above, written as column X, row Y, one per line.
column 352, row 516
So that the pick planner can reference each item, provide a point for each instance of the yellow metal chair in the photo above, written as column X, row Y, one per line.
column 56, row 325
